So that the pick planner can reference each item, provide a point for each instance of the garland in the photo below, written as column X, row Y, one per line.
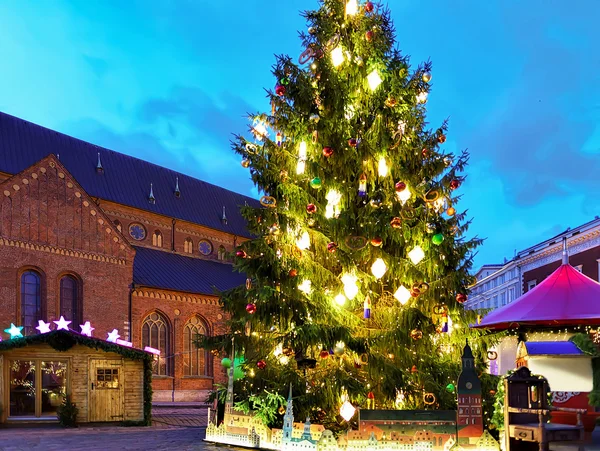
column 62, row 341
column 585, row 343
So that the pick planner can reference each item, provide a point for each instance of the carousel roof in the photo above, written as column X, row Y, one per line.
column 565, row 298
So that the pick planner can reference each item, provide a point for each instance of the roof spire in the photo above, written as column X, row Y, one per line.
column 565, row 252
column 224, row 217
column 177, row 191
column 151, row 197
column 99, row 167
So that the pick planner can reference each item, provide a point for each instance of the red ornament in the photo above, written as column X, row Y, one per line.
column 369, row 35
column 261, row 364
column 280, row 90
column 369, row 7
column 370, row 395
column 328, row 151
column 461, row 298
column 251, row 308
column 311, row 208
column 425, row 152
column 454, row 184
column 400, row 186
column 415, row 293
column 414, row 369
column 332, row 247
column 353, row 142
column 324, row 354
column 442, row 138
column 293, row 272
column 377, row 241
column 241, row 254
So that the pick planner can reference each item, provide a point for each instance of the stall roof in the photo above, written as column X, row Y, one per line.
column 552, row 348
column 566, row 298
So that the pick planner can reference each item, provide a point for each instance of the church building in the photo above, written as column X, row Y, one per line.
column 94, row 235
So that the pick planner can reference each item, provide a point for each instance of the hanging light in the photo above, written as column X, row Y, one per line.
column 340, row 299
column 382, row 167
column 374, row 80
column 403, row 195
column 378, row 268
column 350, row 286
column 305, row 286
column 337, row 56
column 301, row 158
column 422, row 97
column 351, row 7
column 347, row 411
column 402, row 294
column 416, row 255
column 303, row 242
column 259, row 129
column 333, row 204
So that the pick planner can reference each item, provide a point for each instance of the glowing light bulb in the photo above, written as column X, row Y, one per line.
column 422, row 97
column 351, row 7
column 402, row 294
column 333, row 204
column 305, row 286
column 382, row 168
column 259, row 129
column 278, row 350
column 404, row 195
column 303, row 242
column 340, row 299
column 350, row 286
column 301, row 158
column 347, row 411
column 374, row 80
column 416, row 255
column 337, row 56
column 379, row 268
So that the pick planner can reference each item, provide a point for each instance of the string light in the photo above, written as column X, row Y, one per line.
column 333, row 204
column 337, row 56
column 416, row 255
column 301, row 166
column 402, row 294
column 351, row 7
column 378, row 268
column 382, row 168
column 350, row 287
column 305, row 286
column 303, row 242
column 374, row 80
column 404, row 195
column 340, row 299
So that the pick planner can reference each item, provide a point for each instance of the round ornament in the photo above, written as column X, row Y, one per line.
column 261, row 364
column 331, row 247
column 226, row 363
column 312, row 30
column 245, row 163
column 396, row 222
column 425, row 152
column 426, row 77
column 353, row 142
column 274, row 229
column 268, row 201
column 293, row 272
column 327, row 151
column 356, row 242
column 416, row 334
column 284, row 81
column 281, row 410
column 454, row 184
column 391, row 102
column 461, row 298
column 364, row 359
column 437, row 239
column 369, row 7
column 414, row 369
column 369, row 35
column 492, row 355
column 377, row 200
column 377, row 241
column 280, row 90
column 311, row 208
column 428, row 399
column 251, row 308
column 450, row 387
column 442, row 138
column 432, row 195
column 324, row 354
column 400, row 186
column 316, row 183
column 241, row 254
column 451, row 211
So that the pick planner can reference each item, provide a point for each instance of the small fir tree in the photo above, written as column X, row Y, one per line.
column 360, row 265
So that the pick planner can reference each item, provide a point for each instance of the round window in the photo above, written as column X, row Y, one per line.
column 137, row 231
column 205, row 247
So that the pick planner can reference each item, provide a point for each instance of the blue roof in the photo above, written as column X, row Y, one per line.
column 125, row 180
column 169, row 271
column 552, row 348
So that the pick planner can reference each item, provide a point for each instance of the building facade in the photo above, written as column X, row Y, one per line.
column 496, row 286
column 94, row 235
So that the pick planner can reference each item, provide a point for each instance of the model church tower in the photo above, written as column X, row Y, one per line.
column 470, row 419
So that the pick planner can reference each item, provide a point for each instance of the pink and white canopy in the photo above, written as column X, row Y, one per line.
column 566, row 298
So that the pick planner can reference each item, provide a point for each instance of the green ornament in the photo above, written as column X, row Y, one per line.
column 226, row 362
column 284, row 81
column 450, row 387
column 437, row 239
column 238, row 371
column 316, row 183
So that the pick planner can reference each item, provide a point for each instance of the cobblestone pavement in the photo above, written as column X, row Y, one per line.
column 165, row 417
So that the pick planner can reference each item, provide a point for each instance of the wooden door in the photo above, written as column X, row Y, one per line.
column 105, row 401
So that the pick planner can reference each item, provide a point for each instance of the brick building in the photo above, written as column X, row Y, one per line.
column 95, row 235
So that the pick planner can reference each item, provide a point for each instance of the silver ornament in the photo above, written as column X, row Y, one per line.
column 312, row 30
column 426, row 77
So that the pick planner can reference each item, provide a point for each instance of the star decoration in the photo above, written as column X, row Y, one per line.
column 14, row 331
column 86, row 329
column 113, row 336
column 43, row 327
column 62, row 324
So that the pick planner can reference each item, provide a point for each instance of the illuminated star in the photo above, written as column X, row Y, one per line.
column 14, row 331
column 62, row 324
column 43, row 327
column 113, row 336
column 86, row 329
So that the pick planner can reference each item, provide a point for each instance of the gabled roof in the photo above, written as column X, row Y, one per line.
column 125, row 180
column 169, row 271
column 566, row 298
column 552, row 348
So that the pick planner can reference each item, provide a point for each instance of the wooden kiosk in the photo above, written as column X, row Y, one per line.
column 107, row 381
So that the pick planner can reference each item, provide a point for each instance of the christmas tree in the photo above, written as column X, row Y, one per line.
column 360, row 265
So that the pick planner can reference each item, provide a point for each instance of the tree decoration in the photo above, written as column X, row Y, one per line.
column 396, row 222
column 279, row 139
column 451, row 211
column 416, row 334
column 311, row 209
column 400, row 186
column 251, row 308
column 379, row 268
column 442, row 138
column 492, row 355
column 301, row 166
column 369, row 35
column 356, row 242
column 367, row 307
column 429, row 399
column 437, row 239
column 362, row 185
column 461, row 298
column 454, row 184
column 281, row 410
column 340, row 299
column 245, row 163
column 351, row 9
column 327, row 151
column 241, row 254
column 293, row 272
column 316, row 183
column 374, row 80
column 280, row 90
column 450, row 387
column 382, row 167
column 347, row 411
column 416, row 255
column 377, row 241
column 261, row 364
column 426, row 77
column 337, row 56
column 353, row 142
column 369, row 7
column 268, row 201
column 324, row 354
column 402, row 294
column 350, row 282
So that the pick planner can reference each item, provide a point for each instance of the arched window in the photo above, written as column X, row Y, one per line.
column 117, row 223
column 70, row 302
column 196, row 361
column 155, row 333
column 221, row 253
column 188, row 246
column 31, row 300
column 157, row 238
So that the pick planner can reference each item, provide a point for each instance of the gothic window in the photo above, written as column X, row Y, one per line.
column 70, row 302
column 117, row 224
column 460, row 411
column 155, row 333
column 205, row 247
column 188, row 246
column 221, row 254
column 157, row 238
column 196, row 361
column 31, row 300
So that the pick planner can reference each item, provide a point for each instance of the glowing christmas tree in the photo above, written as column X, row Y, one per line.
column 360, row 266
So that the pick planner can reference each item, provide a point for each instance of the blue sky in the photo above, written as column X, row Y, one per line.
column 170, row 82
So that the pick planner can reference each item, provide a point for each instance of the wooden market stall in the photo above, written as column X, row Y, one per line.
column 107, row 382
